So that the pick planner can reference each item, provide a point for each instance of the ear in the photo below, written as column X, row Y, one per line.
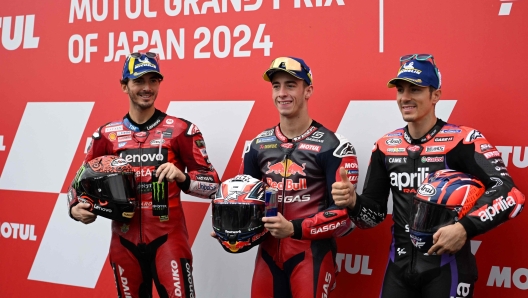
column 124, row 88
column 436, row 95
column 308, row 91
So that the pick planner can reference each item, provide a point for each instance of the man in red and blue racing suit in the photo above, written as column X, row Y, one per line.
column 152, row 248
column 300, row 158
column 400, row 162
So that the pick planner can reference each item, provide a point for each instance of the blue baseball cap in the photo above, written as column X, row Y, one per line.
column 138, row 64
column 292, row 65
column 418, row 72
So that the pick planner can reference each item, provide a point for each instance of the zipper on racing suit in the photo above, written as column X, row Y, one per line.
column 285, row 161
column 141, row 194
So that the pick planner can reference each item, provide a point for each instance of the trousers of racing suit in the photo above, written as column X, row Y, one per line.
column 154, row 248
column 303, row 169
column 400, row 164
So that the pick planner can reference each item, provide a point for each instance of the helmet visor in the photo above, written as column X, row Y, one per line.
column 429, row 217
column 235, row 217
column 119, row 188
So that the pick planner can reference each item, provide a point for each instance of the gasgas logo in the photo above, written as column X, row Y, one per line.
column 286, row 168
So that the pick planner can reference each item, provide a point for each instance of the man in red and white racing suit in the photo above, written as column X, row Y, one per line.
column 152, row 248
column 400, row 162
column 300, row 158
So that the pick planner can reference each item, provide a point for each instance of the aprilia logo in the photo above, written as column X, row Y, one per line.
column 498, row 206
column 402, row 180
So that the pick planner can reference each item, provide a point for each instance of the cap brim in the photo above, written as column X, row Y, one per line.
column 139, row 74
column 391, row 83
column 267, row 75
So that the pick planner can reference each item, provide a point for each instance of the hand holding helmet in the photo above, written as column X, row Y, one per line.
column 443, row 199
column 238, row 208
column 104, row 186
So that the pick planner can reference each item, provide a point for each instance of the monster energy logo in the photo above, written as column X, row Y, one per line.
column 78, row 177
column 158, row 191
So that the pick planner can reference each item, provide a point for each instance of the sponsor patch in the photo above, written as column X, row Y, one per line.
column 114, row 128
column 192, row 130
column 266, row 140
column 432, row 159
column 443, row 139
column 269, row 146
column 397, row 159
column 200, row 143
column 112, row 136
column 486, row 147
column 451, row 131
column 309, row 147
column 395, row 150
column 393, row 142
column 124, row 139
column 124, row 133
column 473, row 135
column 492, row 154
column 169, row 121
column 434, row 149
column 267, row 133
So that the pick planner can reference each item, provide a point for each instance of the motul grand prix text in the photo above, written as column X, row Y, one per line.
column 173, row 43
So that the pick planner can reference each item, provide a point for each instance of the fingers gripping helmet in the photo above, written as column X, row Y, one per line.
column 444, row 197
column 108, row 184
column 238, row 208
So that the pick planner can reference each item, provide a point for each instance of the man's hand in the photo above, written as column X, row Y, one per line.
column 448, row 239
column 171, row 172
column 278, row 226
column 81, row 213
column 344, row 192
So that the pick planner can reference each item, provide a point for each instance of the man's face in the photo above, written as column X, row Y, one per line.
column 143, row 90
column 290, row 94
column 416, row 103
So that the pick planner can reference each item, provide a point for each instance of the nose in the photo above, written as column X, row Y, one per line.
column 405, row 95
column 282, row 92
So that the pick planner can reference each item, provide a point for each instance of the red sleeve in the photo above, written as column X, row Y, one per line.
column 202, row 178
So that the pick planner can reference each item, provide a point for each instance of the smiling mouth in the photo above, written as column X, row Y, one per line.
column 285, row 102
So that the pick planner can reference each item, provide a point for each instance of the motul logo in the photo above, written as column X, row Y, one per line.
column 22, row 31
column 310, row 147
column 18, row 231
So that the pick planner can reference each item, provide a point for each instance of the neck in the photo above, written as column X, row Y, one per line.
column 140, row 115
column 294, row 127
column 418, row 129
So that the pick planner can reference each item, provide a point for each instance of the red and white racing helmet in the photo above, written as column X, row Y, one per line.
column 238, row 208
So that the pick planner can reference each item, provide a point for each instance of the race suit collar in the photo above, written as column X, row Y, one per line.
column 311, row 129
column 430, row 134
column 156, row 119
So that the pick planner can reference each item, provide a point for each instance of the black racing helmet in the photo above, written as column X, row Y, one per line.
column 108, row 184
column 238, row 208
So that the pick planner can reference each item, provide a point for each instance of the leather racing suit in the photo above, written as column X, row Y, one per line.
column 400, row 164
column 151, row 247
column 303, row 170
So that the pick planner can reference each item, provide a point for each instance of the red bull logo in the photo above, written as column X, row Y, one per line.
column 286, row 168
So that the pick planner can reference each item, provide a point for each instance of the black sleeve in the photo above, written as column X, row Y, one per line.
column 501, row 200
column 250, row 163
column 371, row 205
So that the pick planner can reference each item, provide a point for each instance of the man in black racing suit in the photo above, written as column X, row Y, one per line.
column 300, row 158
column 400, row 162
column 152, row 247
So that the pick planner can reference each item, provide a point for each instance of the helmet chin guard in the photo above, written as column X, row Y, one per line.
column 238, row 208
